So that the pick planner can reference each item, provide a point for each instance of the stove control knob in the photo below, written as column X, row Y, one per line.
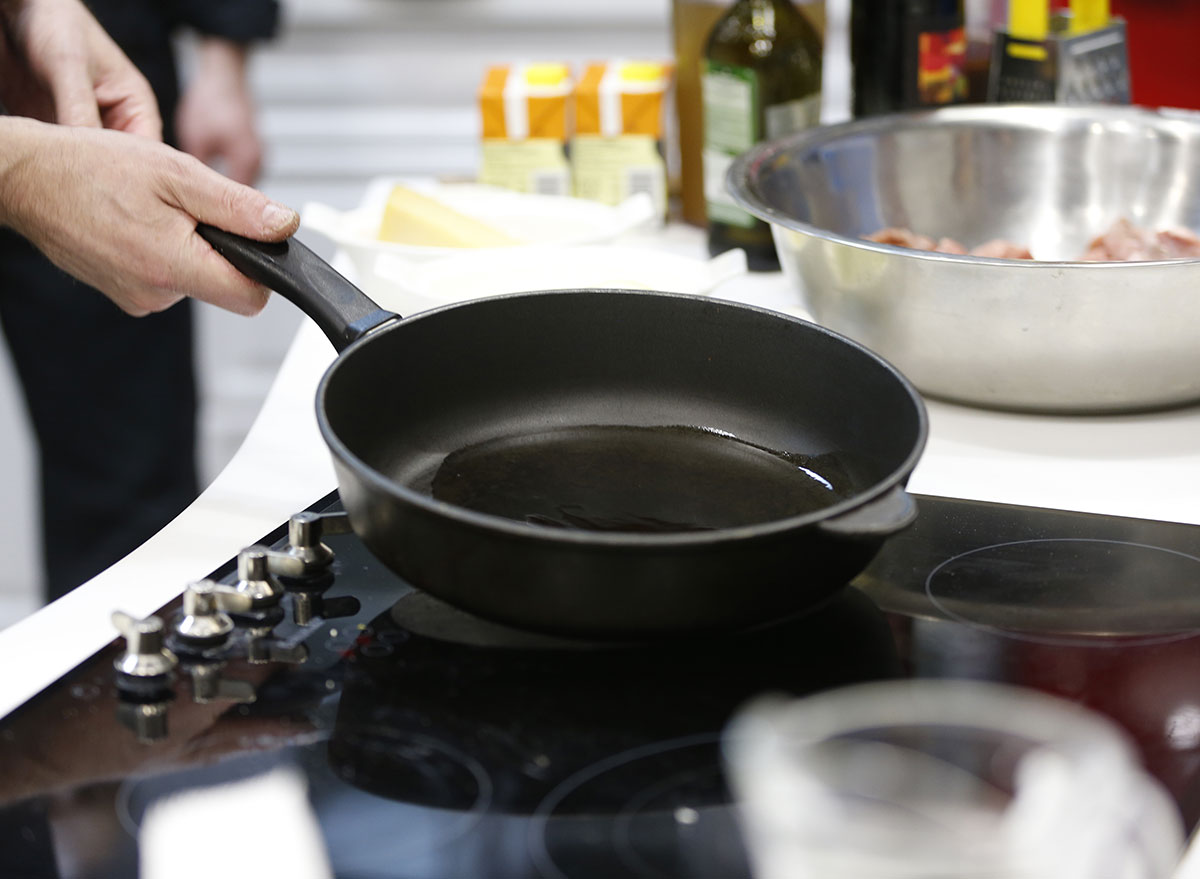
column 146, row 655
column 204, row 622
column 305, row 563
column 305, row 531
column 228, row 599
column 254, row 578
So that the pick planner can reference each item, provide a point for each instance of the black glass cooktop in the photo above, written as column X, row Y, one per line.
column 436, row 744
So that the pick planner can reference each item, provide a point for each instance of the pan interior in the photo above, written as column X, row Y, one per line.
column 620, row 411
column 611, row 477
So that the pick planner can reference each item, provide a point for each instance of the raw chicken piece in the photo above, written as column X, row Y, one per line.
column 1179, row 243
column 998, row 248
column 901, row 238
column 1120, row 242
column 905, row 238
column 949, row 245
column 1125, row 242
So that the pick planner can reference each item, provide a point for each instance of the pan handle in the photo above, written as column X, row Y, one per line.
column 342, row 311
column 886, row 514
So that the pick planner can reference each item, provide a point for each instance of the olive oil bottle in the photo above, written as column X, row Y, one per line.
column 907, row 54
column 761, row 79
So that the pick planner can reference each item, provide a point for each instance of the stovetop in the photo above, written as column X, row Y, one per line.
column 436, row 744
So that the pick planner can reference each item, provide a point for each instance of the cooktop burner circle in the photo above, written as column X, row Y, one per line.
column 408, row 766
column 1071, row 591
column 656, row 811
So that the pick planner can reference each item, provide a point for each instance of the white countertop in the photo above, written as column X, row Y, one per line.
column 1145, row 466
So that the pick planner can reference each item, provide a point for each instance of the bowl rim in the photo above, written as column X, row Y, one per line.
column 744, row 168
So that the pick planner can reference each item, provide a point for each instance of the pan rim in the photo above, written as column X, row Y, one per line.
column 579, row 537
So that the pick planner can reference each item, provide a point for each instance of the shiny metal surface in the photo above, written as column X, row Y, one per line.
column 254, row 577
column 203, row 619
column 305, row 531
column 1049, row 335
column 146, row 654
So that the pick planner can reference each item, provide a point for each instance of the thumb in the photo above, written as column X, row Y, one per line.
column 212, row 198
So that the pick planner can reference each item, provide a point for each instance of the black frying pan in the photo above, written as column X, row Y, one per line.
column 605, row 463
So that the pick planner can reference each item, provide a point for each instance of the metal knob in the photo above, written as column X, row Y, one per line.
column 203, row 620
column 254, row 578
column 230, row 600
column 305, row 557
column 305, row 531
column 146, row 654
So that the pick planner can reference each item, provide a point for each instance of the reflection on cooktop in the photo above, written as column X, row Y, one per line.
column 659, row 810
column 533, row 709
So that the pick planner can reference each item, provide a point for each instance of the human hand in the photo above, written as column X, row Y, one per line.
column 120, row 213
column 57, row 64
column 215, row 119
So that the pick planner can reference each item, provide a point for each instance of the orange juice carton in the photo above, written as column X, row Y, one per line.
column 525, row 110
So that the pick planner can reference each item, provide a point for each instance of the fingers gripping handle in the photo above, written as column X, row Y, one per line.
column 342, row 311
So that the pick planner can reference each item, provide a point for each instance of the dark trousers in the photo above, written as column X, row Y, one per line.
column 113, row 404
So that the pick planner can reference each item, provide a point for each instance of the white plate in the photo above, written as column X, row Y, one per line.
column 536, row 219
column 407, row 286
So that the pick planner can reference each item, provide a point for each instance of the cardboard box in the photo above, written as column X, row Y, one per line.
column 525, row 110
column 617, row 147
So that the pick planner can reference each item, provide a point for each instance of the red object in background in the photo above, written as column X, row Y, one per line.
column 1164, row 64
column 1147, row 688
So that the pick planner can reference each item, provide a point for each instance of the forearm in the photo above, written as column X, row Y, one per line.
column 221, row 58
column 20, row 142
column 216, row 120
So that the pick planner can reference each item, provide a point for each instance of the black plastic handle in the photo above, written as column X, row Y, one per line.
column 342, row 311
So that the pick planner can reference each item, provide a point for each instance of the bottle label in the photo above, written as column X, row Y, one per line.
column 793, row 116
column 941, row 66
column 730, row 97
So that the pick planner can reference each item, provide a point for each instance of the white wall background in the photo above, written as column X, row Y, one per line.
column 352, row 89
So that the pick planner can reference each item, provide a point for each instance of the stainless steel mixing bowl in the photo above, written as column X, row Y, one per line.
column 1049, row 335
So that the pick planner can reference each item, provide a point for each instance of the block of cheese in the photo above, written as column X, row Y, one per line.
column 413, row 218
